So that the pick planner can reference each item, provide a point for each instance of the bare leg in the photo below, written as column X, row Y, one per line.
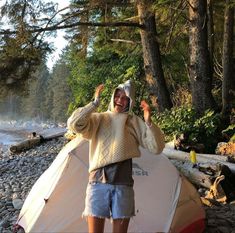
column 95, row 225
column 120, row 225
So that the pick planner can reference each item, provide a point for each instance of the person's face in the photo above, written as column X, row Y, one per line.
column 121, row 101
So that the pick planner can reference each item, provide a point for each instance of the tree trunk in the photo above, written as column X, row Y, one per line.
column 200, row 65
column 84, row 35
column 152, row 57
column 211, row 37
column 228, row 88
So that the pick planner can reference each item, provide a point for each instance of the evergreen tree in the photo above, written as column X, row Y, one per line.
column 228, row 87
column 22, row 49
column 61, row 96
column 35, row 103
column 200, row 65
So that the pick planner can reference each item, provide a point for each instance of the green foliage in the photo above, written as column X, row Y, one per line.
column 61, row 96
column 183, row 120
column 22, row 51
column 49, row 94
column 103, row 66
column 229, row 132
column 96, row 57
column 232, row 139
column 172, row 28
column 176, row 121
column 34, row 104
column 208, row 130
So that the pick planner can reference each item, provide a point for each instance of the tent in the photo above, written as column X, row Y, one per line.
column 165, row 200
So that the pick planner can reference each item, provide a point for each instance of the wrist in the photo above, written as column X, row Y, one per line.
column 96, row 101
column 148, row 123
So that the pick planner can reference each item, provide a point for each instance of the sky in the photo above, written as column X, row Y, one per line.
column 59, row 41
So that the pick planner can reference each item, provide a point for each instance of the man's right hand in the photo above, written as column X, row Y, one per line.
column 98, row 91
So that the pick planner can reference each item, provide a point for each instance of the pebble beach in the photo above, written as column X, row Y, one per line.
column 18, row 173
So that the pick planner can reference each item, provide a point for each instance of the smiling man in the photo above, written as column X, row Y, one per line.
column 121, row 101
column 114, row 137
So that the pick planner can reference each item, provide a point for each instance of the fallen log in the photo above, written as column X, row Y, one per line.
column 171, row 153
column 170, row 150
column 25, row 145
column 37, row 139
column 52, row 133
column 193, row 174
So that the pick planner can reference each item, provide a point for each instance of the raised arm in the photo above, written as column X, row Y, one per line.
column 82, row 120
column 150, row 136
column 147, row 112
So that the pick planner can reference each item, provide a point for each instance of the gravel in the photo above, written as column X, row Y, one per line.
column 18, row 173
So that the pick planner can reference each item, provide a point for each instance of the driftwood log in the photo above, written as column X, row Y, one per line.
column 25, row 145
column 193, row 173
column 171, row 153
column 36, row 140
column 205, row 171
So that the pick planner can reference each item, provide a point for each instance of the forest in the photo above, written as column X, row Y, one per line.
column 179, row 53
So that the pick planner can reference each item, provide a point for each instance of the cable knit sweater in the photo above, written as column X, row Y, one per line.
column 114, row 137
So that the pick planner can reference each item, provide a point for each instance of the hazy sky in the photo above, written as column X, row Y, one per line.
column 59, row 41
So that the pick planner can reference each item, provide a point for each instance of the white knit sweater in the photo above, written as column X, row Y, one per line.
column 114, row 137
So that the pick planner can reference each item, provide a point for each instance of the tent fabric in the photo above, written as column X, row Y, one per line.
column 189, row 210
column 56, row 201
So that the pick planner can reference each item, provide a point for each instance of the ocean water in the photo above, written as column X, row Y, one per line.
column 12, row 132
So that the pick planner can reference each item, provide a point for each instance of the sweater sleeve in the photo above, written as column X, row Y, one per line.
column 150, row 137
column 83, row 120
column 154, row 139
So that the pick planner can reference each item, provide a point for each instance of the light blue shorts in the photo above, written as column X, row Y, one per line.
column 109, row 201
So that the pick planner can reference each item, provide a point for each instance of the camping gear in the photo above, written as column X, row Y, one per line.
column 165, row 200
column 193, row 157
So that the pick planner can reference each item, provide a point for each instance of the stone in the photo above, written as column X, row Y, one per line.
column 6, row 231
column 18, row 181
column 17, row 203
column 16, row 190
column 224, row 229
column 15, row 196
column 211, row 222
column 4, row 223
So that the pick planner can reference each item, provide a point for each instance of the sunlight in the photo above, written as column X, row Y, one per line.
column 59, row 41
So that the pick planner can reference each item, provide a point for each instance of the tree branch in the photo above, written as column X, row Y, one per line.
column 47, row 25
column 91, row 24
column 174, row 20
column 125, row 41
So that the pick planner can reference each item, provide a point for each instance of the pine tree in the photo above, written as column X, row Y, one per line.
column 61, row 91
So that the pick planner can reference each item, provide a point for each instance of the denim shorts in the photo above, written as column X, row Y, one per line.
column 109, row 201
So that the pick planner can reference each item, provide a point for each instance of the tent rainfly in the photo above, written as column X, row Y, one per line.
column 165, row 200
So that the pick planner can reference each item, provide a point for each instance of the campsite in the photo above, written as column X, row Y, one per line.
column 219, row 216
column 149, row 83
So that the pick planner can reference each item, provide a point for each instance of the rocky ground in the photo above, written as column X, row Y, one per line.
column 18, row 172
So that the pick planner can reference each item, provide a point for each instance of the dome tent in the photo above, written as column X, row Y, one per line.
column 164, row 199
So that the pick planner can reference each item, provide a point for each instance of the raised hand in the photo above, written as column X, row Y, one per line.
column 147, row 112
column 98, row 91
